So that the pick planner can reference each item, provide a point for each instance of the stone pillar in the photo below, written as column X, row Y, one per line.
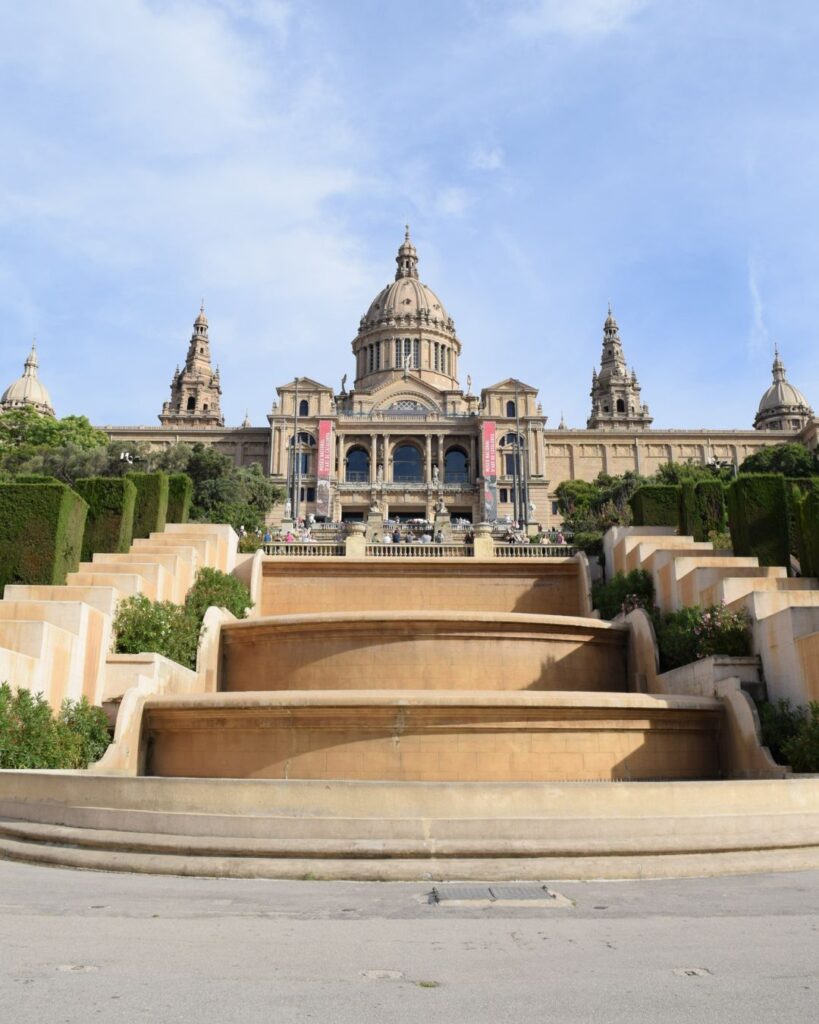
column 355, row 544
column 373, row 456
column 473, row 465
column 340, row 474
column 428, row 458
column 441, row 457
column 484, row 542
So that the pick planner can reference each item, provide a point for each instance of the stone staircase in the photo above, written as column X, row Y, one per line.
column 56, row 640
column 784, row 612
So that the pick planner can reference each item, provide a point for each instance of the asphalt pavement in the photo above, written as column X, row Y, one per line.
column 83, row 946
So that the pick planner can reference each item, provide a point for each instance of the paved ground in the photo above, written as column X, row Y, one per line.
column 80, row 946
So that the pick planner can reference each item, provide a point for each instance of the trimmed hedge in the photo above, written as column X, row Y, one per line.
column 702, row 509
column 150, row 512
column 41, row 530
column 807, row 532
column 758, row 513
column 110, row 524
column 656, row 505
column 180, row 495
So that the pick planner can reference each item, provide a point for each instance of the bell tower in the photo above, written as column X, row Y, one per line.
column 196, row 389
column 615, row 392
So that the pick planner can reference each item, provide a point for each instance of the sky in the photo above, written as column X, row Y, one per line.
column 550, row 156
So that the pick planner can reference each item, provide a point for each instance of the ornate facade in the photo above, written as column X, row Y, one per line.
column 408, row 439
column 28, row 389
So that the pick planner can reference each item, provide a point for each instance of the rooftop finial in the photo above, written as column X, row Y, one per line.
column 406, row 233
column 407, row 258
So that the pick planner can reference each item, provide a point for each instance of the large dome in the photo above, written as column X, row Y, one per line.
column 783, row 406
column 28, row 389
column 406, row 300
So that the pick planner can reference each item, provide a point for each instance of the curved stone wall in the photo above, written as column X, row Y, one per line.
column 415, row 650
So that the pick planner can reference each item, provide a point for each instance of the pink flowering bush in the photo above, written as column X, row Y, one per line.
column 695, row 633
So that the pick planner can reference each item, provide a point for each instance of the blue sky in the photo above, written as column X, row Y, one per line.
column 549, row 155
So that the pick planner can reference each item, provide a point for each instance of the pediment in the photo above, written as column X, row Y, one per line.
column 303, row 384
column 511, row 384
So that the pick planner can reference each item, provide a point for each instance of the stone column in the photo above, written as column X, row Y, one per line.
column 428, row 458
column 373, row 456
column 473, row 465
column 441, row 457
column 340, row 475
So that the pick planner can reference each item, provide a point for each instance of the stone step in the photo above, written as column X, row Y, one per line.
column 104, row 599
column 125, row 584
column 52, row 647
column 92, row 629
column 761, row 604
column 224, row 536
column 180, row 572
column 158, row 582
column 736, row 586
column 205, row 547
column 20, row 671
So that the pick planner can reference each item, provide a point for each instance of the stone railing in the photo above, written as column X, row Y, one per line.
column 534, row 551
column 418, row 551
column 305, row 549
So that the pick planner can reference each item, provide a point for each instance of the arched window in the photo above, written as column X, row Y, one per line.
column 407, row 465
column 510, row 408
column 621, row 405
column 358, row 466
column 304, row 407
column 456, row 466
column 191, row 404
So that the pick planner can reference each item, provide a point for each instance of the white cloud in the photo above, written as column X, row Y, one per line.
column 487, row 158
column 452, row 201
column 759, row 337
column 573, row 17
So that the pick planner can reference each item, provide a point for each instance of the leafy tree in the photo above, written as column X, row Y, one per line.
column 691, row 472
column 26, row 433
column 792, row 459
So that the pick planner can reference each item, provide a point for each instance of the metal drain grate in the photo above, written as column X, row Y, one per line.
column 492, row 894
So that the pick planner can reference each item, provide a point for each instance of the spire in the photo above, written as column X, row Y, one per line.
column 201, row 320
column 31, row 364
column 778, row 369
column 407, row 258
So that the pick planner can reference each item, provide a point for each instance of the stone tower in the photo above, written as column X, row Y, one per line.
column 615, row 392
column 195, row 390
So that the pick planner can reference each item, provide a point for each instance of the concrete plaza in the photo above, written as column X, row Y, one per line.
column 79, row 946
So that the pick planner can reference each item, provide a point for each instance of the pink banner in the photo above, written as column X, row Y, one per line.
column 489, row 464
column 325, row 447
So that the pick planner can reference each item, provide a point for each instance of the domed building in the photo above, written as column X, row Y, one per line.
column 28, row 390
column 408, row 440
column 783, row 406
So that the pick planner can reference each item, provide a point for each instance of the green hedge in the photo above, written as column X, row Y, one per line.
column 702, row 509
column 110, row 524
column 656, row 505
column 41, row 530
column 150, row 513
column 180, row 495
column 807, row 532
column 758, row 512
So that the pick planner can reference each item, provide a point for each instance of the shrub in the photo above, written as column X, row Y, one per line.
column 162, row 627
column 626, row 591
column 41, row 531
column 758, row 513
column 180, row 493
column 806, row 515
column 173, row 630
column 151, row 508
column 693, row 633
column 802, row 750
column 110, row 523
column 32, row 737
column 711, row 515
column 780, row 724
column 590, row 541
column 656, row 505
column 251, row 543
column 219, row 589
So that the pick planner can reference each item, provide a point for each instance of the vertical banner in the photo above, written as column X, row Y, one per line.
column 489, row 465
column 325, row 444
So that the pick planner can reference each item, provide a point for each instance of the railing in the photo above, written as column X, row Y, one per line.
column 534, row 551
column 416, row 415
column 305, row 549
column 357, row 476
column 418, row 551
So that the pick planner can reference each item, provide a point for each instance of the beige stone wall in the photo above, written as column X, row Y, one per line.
column 441, row 651
column 416, row 738
column 299, row 586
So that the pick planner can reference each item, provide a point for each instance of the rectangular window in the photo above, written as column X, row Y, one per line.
column 555, row 508
column 437, row 347
column 398, row 353
column 307, row 494
column 509, row 464
column 416, row 354
column 378, row 355
column 407, row 347
column 504, row 494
